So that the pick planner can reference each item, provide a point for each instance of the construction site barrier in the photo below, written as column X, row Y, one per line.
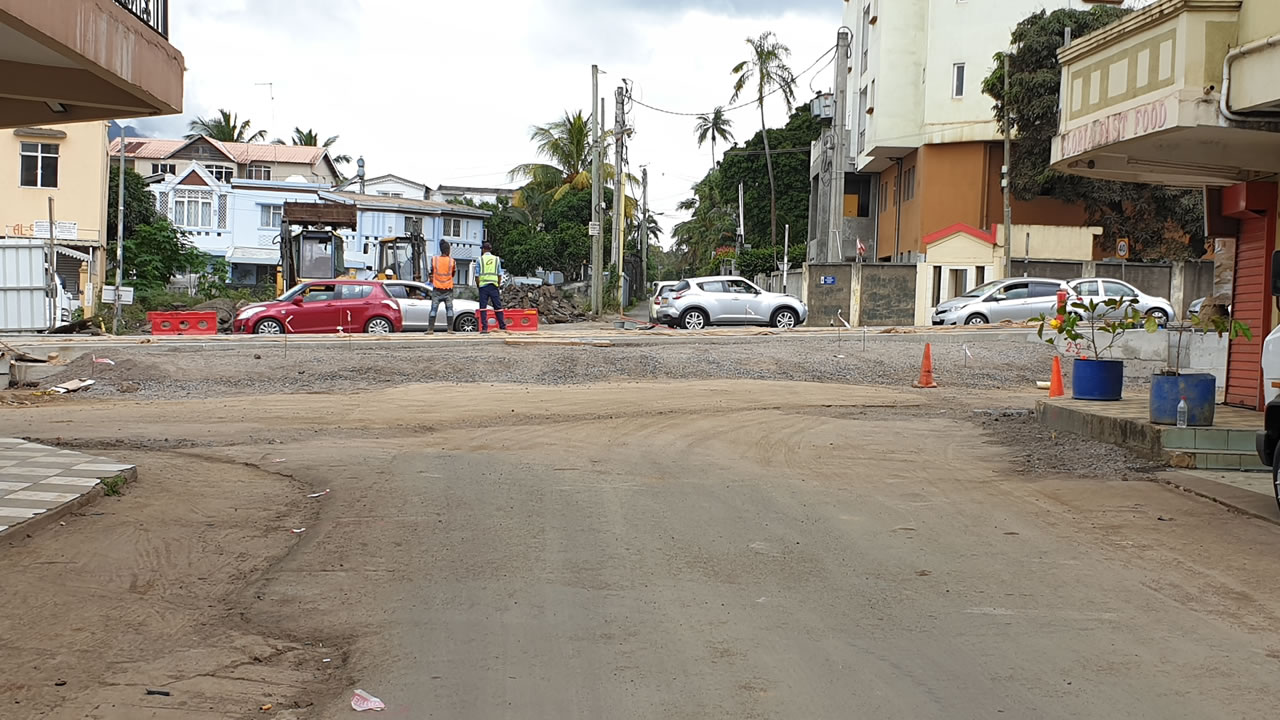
column 183, row 323
column 518, row 320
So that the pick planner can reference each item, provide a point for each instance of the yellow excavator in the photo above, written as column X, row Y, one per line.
column 310, row 246
column 404, row 258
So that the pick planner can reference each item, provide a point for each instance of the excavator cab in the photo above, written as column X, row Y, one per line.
column 310, row 246
column 404, row 257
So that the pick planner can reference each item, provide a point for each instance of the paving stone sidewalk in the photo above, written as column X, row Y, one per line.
column 37, row 479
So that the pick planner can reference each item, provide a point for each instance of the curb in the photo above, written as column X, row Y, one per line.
column 42, row 521
column 1238, row 500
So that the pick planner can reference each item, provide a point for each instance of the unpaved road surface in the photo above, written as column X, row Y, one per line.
column 715, row 549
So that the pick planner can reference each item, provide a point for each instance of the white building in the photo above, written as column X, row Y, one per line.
column 389, row 186
column 455, row 193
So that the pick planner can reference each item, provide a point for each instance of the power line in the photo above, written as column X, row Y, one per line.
column 749, row 103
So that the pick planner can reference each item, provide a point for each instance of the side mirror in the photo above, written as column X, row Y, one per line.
column 297, row 300
column 366, row 249
column 1275, row 273
column 999, row 297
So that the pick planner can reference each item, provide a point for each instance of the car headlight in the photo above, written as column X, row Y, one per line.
column 249, row 312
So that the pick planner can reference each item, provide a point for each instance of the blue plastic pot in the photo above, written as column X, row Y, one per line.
column 1097, row 379
column 1200, row 390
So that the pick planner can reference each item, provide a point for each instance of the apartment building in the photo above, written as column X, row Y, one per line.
column 925, row 150
column 227, row 161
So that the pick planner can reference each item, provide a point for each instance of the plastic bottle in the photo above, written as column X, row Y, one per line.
column 1183, row 411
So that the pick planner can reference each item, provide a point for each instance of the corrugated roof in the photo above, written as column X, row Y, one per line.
column 243, row 153
column 409, row 204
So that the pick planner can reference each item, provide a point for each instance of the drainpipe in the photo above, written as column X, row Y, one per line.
column 897, row 225
column 1224, row 103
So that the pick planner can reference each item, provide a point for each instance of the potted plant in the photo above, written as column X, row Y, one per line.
column 1095, row 374
column 1170, row 386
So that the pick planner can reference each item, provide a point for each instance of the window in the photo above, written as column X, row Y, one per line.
column 866, row 35
column 741, row 287
column 222, row 173
column 1017, row 291
column 714, row 286
column 164, row 169
column 385, row 193
column 1044, row 289
column 884, row 196
column 320, row 292
column 39, row 165
column 1115, row 289
column 453, row 227
column 908, row 184
column 259, row 172
column 193, row 208
column 1087, row 289
column 355, row 292
column 957, row 80
column 271, row 216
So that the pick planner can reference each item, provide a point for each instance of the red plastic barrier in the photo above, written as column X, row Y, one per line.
column 518, row 320
column 183, row 323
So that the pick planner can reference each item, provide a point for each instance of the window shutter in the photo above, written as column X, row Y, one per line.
column 162, row 204
column 222, row 212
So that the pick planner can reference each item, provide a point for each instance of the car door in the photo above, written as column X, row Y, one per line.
column 1116, row 290
column 415, row 305
column 317, row 311
column 747, row 301
column 1086, row 292
column 716, row 298
column 1010, row 302
column 1044, row 299
column 355, row 302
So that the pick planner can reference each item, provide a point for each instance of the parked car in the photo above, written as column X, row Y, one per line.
column 415, row 305
column 324, row 306
column 1197, row 305
column 1016, row 299
column 727, row 300
column 655, row 303
column 1102, row 289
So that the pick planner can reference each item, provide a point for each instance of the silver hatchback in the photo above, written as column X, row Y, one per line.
column 1015, row 299
column 727, row 300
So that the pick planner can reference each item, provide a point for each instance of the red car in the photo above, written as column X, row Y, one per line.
column 324, row 306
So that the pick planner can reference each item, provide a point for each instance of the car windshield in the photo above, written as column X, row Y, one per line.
column 983, row 289
column 291, row 292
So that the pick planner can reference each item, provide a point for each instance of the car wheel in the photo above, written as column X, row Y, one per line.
column 976, row 320
column 693, row 320
column 1160, row 316
column 378, row 326
column 466, row 323
column 269, row 326
column 784, row 319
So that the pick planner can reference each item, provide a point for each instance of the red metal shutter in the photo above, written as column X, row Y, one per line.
column 1251, row 304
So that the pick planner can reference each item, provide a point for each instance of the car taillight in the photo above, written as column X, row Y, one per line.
column 679, row 295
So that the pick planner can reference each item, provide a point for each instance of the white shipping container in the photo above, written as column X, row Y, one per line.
column 25, row 304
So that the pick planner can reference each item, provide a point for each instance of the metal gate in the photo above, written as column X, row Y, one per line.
column 25, row 301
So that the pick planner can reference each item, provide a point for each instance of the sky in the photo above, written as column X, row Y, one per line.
column 445, row 91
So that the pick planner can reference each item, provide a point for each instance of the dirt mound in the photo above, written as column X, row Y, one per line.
column 126, row 370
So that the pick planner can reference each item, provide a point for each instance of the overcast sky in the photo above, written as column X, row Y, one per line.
column 444, row 91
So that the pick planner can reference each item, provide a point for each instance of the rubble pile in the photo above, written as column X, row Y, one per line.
column 553, row 307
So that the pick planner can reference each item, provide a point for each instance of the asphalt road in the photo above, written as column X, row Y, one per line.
column 726, row 550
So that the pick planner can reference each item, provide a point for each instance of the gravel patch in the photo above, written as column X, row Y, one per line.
column 1034, row 448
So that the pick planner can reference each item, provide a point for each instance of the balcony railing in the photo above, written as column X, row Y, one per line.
column 155, row 13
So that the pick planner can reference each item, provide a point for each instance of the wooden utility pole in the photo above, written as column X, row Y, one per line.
column 1005, row 175
column 619, row 191
column 597, row 195
column 643, row 239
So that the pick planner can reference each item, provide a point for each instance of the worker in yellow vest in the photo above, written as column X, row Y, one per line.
column 443, row 268
column 488, row 279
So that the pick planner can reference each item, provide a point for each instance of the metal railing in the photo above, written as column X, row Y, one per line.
column 155, row 13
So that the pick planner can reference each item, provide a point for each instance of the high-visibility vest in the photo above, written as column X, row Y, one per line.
column 488, row 270
column 443, row 268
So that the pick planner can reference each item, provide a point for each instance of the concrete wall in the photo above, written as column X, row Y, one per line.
column 1058, row 269
column 1153, row 279
column 888, row 294
column 1253, row 76
column 1058, row 242
column 825, row 301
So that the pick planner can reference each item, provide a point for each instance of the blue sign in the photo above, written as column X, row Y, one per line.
column 828, row 280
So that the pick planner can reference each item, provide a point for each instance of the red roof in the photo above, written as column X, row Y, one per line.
column 242, row 153
column 959, row 228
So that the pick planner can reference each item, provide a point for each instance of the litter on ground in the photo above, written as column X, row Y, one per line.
column 361, row 701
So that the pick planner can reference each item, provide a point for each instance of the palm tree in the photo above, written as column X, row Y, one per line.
column 713, row 126
column 226, row 127
column 309, row 138
column 566, row 145
column 712, row 225
column 766, row 71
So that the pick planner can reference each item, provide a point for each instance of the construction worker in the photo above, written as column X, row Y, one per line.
column 488, row 279
column 443, row 268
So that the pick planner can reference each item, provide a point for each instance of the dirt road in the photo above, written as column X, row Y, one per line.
column 690, row 550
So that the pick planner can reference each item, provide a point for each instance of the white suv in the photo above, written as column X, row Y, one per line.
column 727, row 300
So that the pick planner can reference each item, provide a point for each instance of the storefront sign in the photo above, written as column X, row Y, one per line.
column 1121, row 126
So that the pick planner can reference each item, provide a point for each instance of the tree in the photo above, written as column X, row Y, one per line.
column 767, row 69
column 309, row 138
column 566, row 145
column 712, row 126
column 1161, row 223
column 226, row 127
column 712, row 225
column 154, row 250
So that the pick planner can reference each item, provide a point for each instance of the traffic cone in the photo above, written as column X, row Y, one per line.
column 926, row 370
column 1055, row 382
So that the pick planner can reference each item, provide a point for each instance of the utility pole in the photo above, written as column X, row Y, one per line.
column 840, row 146
column 619, row 192
column 597, row 195
column 785, row 265
column 742, row 232
column 115, row 321
column 52, row 277
column 643, row 240
column 1004, row 175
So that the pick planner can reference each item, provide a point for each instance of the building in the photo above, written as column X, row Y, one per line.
column 79, row 60
column 388, row 186
column 925, row 152
column 227, row 161
column 1184, row 93
column 239, row 220
column 461, row 193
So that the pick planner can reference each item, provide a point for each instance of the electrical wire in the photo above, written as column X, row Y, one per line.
column 830, row 51
column 812, row 89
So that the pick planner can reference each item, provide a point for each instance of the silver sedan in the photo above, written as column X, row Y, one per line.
column 1103, row 289
column 415, row 306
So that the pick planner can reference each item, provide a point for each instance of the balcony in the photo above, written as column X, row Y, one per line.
column 1141, row 100
column 79, row 60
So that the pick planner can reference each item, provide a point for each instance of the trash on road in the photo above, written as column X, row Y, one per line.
column 266, row 708
column 298, row 531
column 361, row 701
column 164, row 693
column 72, row 386
column 103, row 361
column 319, row 494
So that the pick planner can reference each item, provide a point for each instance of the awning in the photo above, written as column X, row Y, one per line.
column 76, row 254
column 253, row 256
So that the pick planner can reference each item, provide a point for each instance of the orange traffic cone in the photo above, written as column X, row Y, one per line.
column 926, row 370
column 1055, row 382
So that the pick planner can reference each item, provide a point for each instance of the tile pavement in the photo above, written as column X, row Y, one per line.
column 36, row 479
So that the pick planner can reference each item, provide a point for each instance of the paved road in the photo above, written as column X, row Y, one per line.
column 735, row 550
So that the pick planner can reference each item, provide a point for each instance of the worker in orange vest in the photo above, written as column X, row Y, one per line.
column 443, row 268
